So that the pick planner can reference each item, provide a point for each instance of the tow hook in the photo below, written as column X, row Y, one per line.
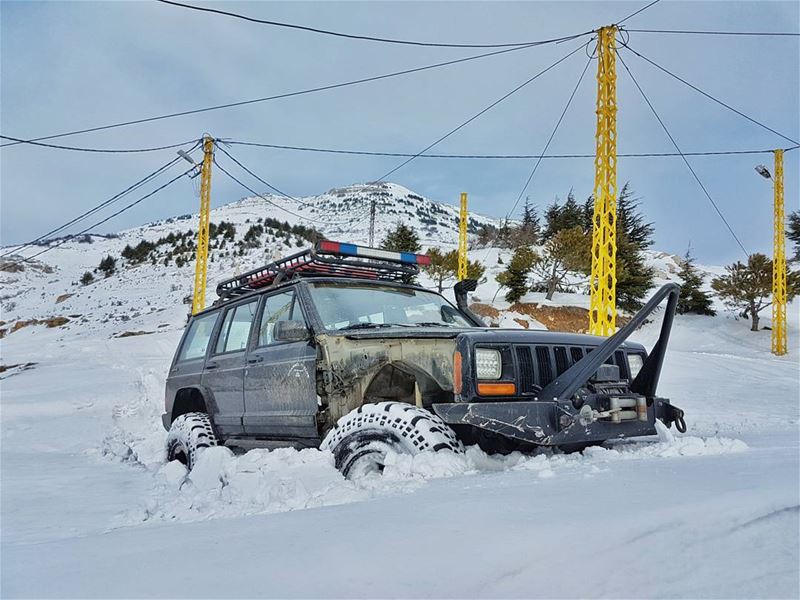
column 674, row 415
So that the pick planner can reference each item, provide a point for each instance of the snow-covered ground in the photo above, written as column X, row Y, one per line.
column 89, row 509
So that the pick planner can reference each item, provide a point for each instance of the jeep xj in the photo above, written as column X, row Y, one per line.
column 334, row 348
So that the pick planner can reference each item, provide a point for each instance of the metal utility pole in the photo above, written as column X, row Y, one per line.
column 201, row 262
column 462, row 239
column 372, row 223
column 779, row 343
column 603, row 282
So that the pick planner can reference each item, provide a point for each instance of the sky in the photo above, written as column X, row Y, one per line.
column 72, row 65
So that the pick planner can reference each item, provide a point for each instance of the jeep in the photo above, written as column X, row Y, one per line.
column 336, row 347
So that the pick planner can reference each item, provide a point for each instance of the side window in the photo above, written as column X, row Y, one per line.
column 196, row 342
column 280, row 307
column 236, row 328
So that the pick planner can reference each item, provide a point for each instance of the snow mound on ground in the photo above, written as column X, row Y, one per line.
column 223, row 484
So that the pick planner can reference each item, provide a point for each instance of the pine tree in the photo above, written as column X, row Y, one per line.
column 748, row 287
column 693, row 299
column 444, row 267
column 566, row 216
column 566, row 252
column 108, row 265
column 401, row 239
column 516, row 275
column 793, row 233
column 634, row 235
column 87, row 278
column 530, row 228
column 631, row 222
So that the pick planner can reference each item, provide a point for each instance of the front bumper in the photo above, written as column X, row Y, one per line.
column 549, row 423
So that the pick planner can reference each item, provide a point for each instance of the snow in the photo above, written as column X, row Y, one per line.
column 89, row 508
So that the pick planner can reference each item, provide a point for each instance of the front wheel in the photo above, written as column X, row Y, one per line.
column 362, row 438
column 189, row 434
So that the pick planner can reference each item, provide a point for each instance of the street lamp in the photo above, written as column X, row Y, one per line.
column 763, row 171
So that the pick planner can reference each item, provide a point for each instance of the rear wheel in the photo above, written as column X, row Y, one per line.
column 362, row 438
column 189, row 435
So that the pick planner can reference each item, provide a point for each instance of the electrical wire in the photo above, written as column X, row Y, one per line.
column 271, row 202
column 709, row 96
column 491, row 156
column 277, row 96
column 98, row 150
column 354, row 36
column 700, row 32
column 633, row 14
column 481, row 112
column 97, row 208
column 550, row 139
column 105, row 220
column 685, row 160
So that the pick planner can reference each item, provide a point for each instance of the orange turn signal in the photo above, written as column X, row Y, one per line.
column 457, row 379
column 497, row 389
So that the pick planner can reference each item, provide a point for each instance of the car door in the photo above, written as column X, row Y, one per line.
column 187, row 368
column 280, row 382
column 223, row 375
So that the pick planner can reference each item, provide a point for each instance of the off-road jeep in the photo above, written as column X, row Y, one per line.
column 334, row 347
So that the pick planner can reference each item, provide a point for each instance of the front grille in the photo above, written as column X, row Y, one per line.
column 526, row 374
column 562, row 362
column 544, row 364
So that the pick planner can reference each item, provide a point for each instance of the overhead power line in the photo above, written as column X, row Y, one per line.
column 493, row 156
column 709, row 96
column 633, row 14
column 274, row 97
column 481, row 112
column 685, row 160
column 701, row 32
column 276, row 190
column 98, row 150
column 113, row 199
column 108, row 218
column 351, row 36
column 550, row 139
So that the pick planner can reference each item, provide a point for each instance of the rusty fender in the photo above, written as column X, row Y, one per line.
column 349, row 366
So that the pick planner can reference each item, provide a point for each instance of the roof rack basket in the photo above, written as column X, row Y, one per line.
column 326, row 259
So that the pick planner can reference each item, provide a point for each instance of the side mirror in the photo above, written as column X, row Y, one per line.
column 290, row 331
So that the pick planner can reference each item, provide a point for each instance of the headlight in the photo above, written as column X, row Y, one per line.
column 488, row 364
column 635, row 363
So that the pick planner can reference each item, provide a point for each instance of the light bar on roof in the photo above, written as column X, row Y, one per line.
column 327, row 247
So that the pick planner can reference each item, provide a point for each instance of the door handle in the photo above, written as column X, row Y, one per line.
column 212, row 366
column 255, row 359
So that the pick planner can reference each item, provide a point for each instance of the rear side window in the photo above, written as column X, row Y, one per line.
column 196, row 342
column 236, row 328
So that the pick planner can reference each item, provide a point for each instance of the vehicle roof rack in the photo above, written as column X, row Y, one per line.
column 326, row 259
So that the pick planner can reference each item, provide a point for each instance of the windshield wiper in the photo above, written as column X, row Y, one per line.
column 433, row 324
column 367, row 325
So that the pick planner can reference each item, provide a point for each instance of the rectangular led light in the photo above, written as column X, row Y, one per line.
column 341, row 248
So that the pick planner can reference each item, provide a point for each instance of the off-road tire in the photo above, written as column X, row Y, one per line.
column 189, row 434
column 362, row 438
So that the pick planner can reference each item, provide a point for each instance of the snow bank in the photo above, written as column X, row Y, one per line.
column 223, row 484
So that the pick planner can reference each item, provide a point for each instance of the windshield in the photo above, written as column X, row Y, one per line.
column 372, row 306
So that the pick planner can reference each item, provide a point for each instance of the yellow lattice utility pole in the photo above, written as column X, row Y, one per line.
column 201, row 263
column 603, row 283
column 779, row 345
column 462, row 239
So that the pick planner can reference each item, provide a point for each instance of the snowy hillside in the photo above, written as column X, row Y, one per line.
column 90, row 509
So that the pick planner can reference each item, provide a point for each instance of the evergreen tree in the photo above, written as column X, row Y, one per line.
column 567, row 251
column 566, row 216
column 401, row 239
column 516, row 275
column 108, row 265
column 631, row 222
column 634, row 277
column 444, row 267
column 693, row 299
column 748, row 287
column 793, row 233
column 87, row 278
column 530, row 228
